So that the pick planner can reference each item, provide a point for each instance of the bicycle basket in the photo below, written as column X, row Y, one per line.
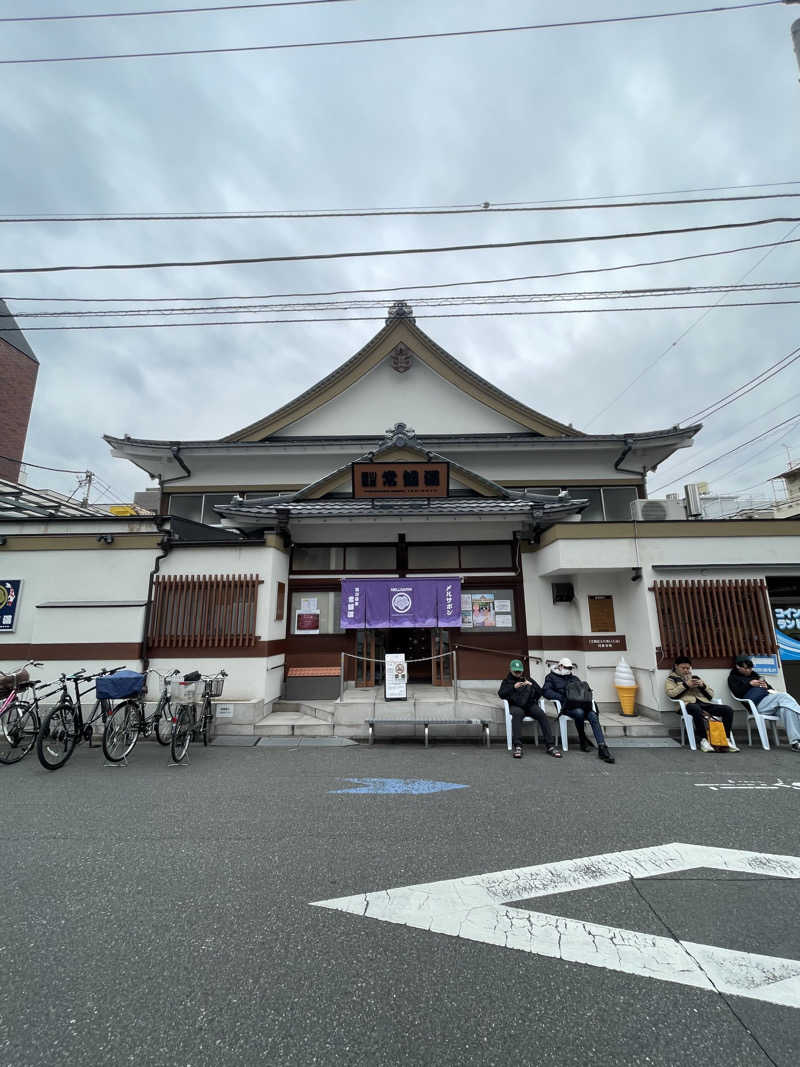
column 187, row 693
column 217, row 685
column 119, row 685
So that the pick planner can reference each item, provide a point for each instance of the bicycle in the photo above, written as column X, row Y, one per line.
column 186, row 724
column 129, row 720
column 64, row 726
column 19, row 718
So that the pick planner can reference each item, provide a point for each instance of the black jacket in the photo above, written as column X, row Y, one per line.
column 555, row 686
column 529, row 694
column 739, row 685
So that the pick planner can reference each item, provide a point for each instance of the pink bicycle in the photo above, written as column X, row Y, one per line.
column 19, row 716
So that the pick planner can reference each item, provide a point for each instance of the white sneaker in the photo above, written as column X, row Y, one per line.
column 732, row 746
column 705, row 746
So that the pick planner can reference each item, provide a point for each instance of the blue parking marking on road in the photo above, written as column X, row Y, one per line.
column 397, row 785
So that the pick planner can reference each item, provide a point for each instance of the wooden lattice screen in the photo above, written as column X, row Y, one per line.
column 710, row 620
column 206, row 610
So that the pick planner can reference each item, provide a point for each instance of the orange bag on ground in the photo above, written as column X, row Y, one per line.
column 716, row 735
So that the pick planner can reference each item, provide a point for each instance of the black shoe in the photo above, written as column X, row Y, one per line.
column 586, row 744
column 604, row 754
column 517, row 752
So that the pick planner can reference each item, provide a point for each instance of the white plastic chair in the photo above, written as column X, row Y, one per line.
column 527, row 718
column 687, row 724
column 760, row 718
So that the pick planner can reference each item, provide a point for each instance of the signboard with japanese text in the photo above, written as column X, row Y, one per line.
column 787, row 631
column 617, row 643
column 306, row 622
column 400, row 479
column 395, row 676
column 396, row 603
column 9, row 601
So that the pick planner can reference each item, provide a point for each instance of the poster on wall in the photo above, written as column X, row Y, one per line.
column 306, row 622
column 466, row 611
column 395, row 676
column 787, row 631
column 483, row 611
column 9, row 600
column 309, row 603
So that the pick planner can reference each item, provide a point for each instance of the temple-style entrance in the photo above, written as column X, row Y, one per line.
column 426, row 651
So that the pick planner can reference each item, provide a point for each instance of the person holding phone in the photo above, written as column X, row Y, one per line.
column 746, row 683
column 683, row 684
column 522, row 694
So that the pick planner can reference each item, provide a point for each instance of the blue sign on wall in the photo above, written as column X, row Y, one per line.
column 765, row 664
column 787, row 630
column 9, row 599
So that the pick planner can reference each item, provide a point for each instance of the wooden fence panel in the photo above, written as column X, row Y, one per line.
column 714, row 619
column 204, row 611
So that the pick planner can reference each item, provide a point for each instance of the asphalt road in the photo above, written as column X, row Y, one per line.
column 157, row 915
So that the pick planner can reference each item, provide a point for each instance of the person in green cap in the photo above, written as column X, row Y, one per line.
column 522, row 694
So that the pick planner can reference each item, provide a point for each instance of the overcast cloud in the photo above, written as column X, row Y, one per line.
column 605, row 111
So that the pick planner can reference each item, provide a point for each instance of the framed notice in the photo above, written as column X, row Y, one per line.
column 306, row 622
column 9, row 602
column 395, row 676
column 483, row 611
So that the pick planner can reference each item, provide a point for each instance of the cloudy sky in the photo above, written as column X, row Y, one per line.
column 595, row 113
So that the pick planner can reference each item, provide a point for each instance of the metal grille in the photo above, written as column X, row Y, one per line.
column 204, row 611
column 714, row 619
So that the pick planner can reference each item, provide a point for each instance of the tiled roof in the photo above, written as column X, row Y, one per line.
column 272, row 510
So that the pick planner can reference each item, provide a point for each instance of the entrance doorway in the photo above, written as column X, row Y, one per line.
column 416, row 644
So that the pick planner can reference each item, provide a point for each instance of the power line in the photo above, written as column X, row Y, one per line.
column 367, row 213
column 420, row 302
column 679, row 338
column 484, row 203
column 758, row 437
column 400, row 251
column 743, row 390
column 167, row 11
column 380, row 318
column 720, row 9
column 38, row 466
column 395, row 288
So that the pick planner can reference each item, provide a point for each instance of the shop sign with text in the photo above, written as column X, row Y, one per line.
column 9, row 601
column 400, row 479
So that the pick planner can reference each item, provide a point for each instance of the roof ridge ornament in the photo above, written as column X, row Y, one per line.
column 400, row 309
column 401, row 358
column 400, row 434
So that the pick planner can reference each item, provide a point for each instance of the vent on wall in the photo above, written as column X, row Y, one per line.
column 657, row 510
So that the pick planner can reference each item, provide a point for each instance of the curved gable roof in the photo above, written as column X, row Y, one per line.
column 402, row 331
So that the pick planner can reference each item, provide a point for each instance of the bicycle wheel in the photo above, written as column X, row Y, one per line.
column 122, row 731
column 57, row 737
column 19, row 728
column 182, row 732
column 208, row 717
column 163, row 722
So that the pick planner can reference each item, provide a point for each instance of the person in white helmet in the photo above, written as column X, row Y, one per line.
column 579, row 708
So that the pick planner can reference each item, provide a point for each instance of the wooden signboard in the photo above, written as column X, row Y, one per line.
column 400, row 479
column 601, row 615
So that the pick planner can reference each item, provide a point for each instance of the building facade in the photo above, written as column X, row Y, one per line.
column 404, row 505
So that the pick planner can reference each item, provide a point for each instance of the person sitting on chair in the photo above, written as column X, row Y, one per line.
column 683, row 684
column 746, row 684
column 555, row 688
column 522, row 694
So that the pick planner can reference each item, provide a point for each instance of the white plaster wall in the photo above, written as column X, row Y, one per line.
column 420, row 397
column 107, row 574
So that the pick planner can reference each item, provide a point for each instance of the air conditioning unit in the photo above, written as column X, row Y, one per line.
column 657, row 510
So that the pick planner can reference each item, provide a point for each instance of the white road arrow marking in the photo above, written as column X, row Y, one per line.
column 476, row 908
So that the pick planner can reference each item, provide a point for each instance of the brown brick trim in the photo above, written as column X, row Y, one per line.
column 118, row 651
column 125, row 651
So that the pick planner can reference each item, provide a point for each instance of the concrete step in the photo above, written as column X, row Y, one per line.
column 292, row 724
column 322, row 710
